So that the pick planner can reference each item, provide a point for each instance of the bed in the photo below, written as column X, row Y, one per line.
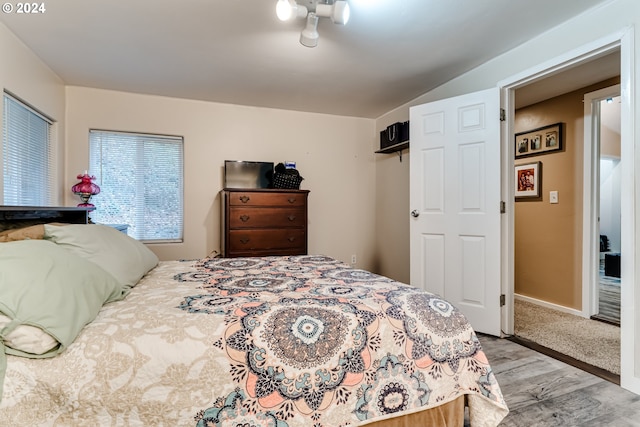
column 271, row 341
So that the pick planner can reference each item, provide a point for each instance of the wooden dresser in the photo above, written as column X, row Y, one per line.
column 262, row 222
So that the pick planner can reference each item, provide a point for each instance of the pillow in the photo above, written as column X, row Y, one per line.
column 32, row 232
column 122, row 256
column 47, row 287
column 27, row 232
column 27, row 338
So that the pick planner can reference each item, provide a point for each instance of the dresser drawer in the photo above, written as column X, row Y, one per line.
column 266, row 252
column 263, row 240
column 241, row 217
column 238, row 198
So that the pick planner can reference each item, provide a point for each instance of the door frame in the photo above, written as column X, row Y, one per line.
column 591, row 200
column 622, row 40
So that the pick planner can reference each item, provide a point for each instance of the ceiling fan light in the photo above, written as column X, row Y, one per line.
column 339, row 11
column 288, row 9
column 309, row 36
column 301, row 11
column 284, row 10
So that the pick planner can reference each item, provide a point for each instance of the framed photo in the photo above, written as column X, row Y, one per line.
column 539, row 141
column 528, row 180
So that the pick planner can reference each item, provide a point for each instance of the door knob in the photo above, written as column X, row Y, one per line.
column 415, row 213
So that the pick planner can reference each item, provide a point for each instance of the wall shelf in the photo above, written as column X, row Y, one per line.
column 395, row 148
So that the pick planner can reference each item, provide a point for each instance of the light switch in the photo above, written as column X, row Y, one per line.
column 553, row 197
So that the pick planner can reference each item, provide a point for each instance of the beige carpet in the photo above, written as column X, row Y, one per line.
column 590, row 341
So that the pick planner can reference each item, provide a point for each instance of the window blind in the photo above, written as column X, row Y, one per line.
column 27, row 155
column 141, row 183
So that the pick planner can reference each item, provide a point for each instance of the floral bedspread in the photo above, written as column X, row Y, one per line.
column 274, row 341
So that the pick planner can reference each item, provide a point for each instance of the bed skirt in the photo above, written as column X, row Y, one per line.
column 447, row 415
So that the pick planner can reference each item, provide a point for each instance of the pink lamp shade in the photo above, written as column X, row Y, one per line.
column 85, row 189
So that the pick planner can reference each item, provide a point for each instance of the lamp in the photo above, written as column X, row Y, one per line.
column 309, row 36
column 85, row 189
column 338, row 11
column 287, row 9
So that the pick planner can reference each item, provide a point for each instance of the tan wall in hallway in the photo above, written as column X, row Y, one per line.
column 548, row 237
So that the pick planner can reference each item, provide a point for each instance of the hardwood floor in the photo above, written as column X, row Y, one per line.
column 608, row 299
column 542, row 391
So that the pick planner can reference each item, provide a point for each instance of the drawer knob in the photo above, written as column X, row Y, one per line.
column 244, row 241
column 292, row 200
column 291, row 218
column 244, row 218
column 245, row 199
column 291, row 238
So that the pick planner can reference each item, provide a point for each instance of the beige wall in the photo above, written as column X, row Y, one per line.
column 334, row 154
column 392, row 206
column 392, row 213
column 25, row 76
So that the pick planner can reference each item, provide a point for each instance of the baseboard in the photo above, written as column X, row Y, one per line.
column 550, row 305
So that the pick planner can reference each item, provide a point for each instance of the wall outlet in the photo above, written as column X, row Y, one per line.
column 353, row 259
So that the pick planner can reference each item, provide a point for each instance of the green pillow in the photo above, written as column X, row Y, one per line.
column 124, row 257
column 48, row 287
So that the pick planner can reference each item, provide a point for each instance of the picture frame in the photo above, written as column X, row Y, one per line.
column 542, row 140
column 528, row 180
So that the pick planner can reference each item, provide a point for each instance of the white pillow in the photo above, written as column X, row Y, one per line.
column 27, row 338
column 123, row 256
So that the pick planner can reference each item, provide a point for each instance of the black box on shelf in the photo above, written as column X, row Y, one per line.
column 394, row 134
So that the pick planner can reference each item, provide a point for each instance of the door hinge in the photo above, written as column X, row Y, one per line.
column 503, row 115
column 503, row 207
column 503, row 300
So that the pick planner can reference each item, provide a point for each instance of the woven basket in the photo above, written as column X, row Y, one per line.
column 285, row 180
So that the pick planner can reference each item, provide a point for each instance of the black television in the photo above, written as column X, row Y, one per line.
column 246, row 174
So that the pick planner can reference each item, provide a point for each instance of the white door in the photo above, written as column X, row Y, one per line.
column 455, row 204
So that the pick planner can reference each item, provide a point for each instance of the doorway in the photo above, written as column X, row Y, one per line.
column 612, row 57
column 548, row 232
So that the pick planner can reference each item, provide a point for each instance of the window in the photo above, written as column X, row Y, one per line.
column 140, row 179
column 27, row 155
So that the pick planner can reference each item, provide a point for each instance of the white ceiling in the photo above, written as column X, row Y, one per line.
column 237, row 51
